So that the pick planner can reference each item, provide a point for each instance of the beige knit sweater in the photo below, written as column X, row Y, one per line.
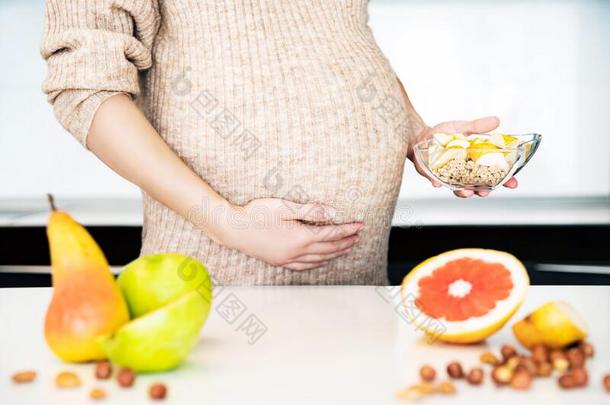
column 262, row 98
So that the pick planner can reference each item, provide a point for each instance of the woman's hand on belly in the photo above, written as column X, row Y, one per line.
column 273, row 230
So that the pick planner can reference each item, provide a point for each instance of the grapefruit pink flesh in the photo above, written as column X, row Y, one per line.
column 464, row 295
column 483, row 284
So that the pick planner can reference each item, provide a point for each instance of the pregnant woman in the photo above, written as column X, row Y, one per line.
column 268, row 136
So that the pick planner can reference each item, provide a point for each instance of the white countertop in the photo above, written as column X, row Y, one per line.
column 409, row 213
column 322, row 345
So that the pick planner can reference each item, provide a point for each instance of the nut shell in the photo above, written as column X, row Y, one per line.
column 512, row 362
column 23, row 377
column 489, row 358
column 67, row 379
column 97, row 394
column 446, row 388
column 415, row 392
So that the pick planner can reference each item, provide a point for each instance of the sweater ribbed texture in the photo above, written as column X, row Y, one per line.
column 262, row 98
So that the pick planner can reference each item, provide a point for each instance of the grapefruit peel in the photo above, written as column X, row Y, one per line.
column 465, row 290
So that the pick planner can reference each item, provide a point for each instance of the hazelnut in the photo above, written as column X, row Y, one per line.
column 501, row 375
column 575, row 357
column 67, row 379
column 556, row 354
column 587, row 349
column 507, row 351
column 446, row 387
column 103, row 370
column 157, row 391
column 521, row 380
column 522, row 369
column 24, row 376
column 126, row 377
column 528, row 364
column 581, row 377
column 427, row 373
column 575, row 378
column 544, row 369
column 566, row 381
column 489, row 358
column 540, row 353
column 454, row 370
column 475, row 376
column 561, row 364
column 97, row 393
column 606, row 382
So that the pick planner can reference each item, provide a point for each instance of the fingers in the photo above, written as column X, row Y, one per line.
column 315, row 258
column 304, row 266
column 332, row 246
column 511, row 183
column 329, row 233
column 320, row 253
column 435, row 183
column 307, row 212
column 478, row 126
column 469, row 193
column 464, row 193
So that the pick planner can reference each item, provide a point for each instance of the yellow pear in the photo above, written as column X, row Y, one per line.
column 86, row 302
column 555, row 324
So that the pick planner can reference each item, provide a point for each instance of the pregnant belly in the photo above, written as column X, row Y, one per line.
column 330, row 145
column 331, row 133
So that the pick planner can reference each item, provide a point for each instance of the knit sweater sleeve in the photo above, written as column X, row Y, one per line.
column 94, row 50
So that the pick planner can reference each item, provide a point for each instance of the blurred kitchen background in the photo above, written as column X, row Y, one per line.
column 542, row 66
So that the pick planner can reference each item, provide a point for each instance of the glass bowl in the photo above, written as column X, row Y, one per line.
column 474, row 162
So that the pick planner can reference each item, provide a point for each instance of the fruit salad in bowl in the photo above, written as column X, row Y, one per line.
column 475, row 162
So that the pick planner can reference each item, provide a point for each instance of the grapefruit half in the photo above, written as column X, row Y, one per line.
column 464, row 295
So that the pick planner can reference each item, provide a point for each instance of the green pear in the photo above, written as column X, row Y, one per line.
column 153, row 281
column 169, row 296
column 161, row 339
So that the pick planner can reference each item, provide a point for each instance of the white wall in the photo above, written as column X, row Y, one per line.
column 542, row 66
column 36, row 154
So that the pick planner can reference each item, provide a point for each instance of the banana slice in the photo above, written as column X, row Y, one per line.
column 447, row 155
column 495, row 159
column 498, row 140
column 442, row 138
column 458, row 143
